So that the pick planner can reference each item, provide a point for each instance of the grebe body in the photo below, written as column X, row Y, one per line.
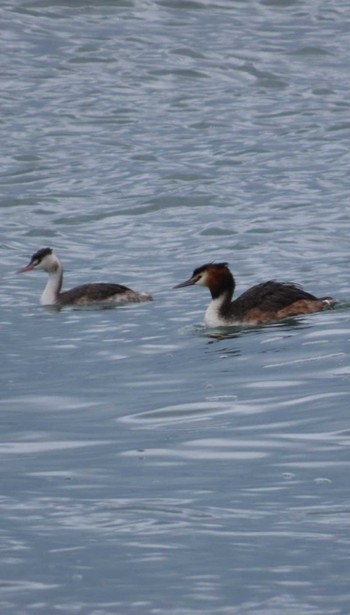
column 87, row 294
column 266, row 302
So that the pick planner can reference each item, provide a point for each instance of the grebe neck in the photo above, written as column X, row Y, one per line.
column 218, row 310
column 221, row 286
column 53, row 287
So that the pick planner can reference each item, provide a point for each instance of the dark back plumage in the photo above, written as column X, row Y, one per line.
column 271, row 296
column 92, row 293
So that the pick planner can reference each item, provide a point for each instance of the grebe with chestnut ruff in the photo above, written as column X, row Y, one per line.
column 261, row 304
column 87, row 294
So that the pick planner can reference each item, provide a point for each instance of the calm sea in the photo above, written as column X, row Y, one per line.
column 149, row 465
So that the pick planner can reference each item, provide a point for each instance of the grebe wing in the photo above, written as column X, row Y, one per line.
column 93, row 293
column 272, row 296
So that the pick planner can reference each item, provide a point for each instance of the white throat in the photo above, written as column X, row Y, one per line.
column 52, row 288
column 212, row 316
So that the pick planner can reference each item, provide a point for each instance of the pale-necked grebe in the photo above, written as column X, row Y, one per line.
column 263, row 303
column 86, row 294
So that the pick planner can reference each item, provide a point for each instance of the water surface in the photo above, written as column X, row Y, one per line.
column 151, row 465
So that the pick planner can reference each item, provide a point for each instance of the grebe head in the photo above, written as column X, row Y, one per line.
column 42, row 259
column 215, row 276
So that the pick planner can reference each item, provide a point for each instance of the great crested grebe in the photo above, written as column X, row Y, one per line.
column 87, row 294
column 261, row 304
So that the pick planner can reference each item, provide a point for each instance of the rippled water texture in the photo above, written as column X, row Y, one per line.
column 150, row 465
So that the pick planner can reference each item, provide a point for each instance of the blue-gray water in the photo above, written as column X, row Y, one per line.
column 149, row 465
